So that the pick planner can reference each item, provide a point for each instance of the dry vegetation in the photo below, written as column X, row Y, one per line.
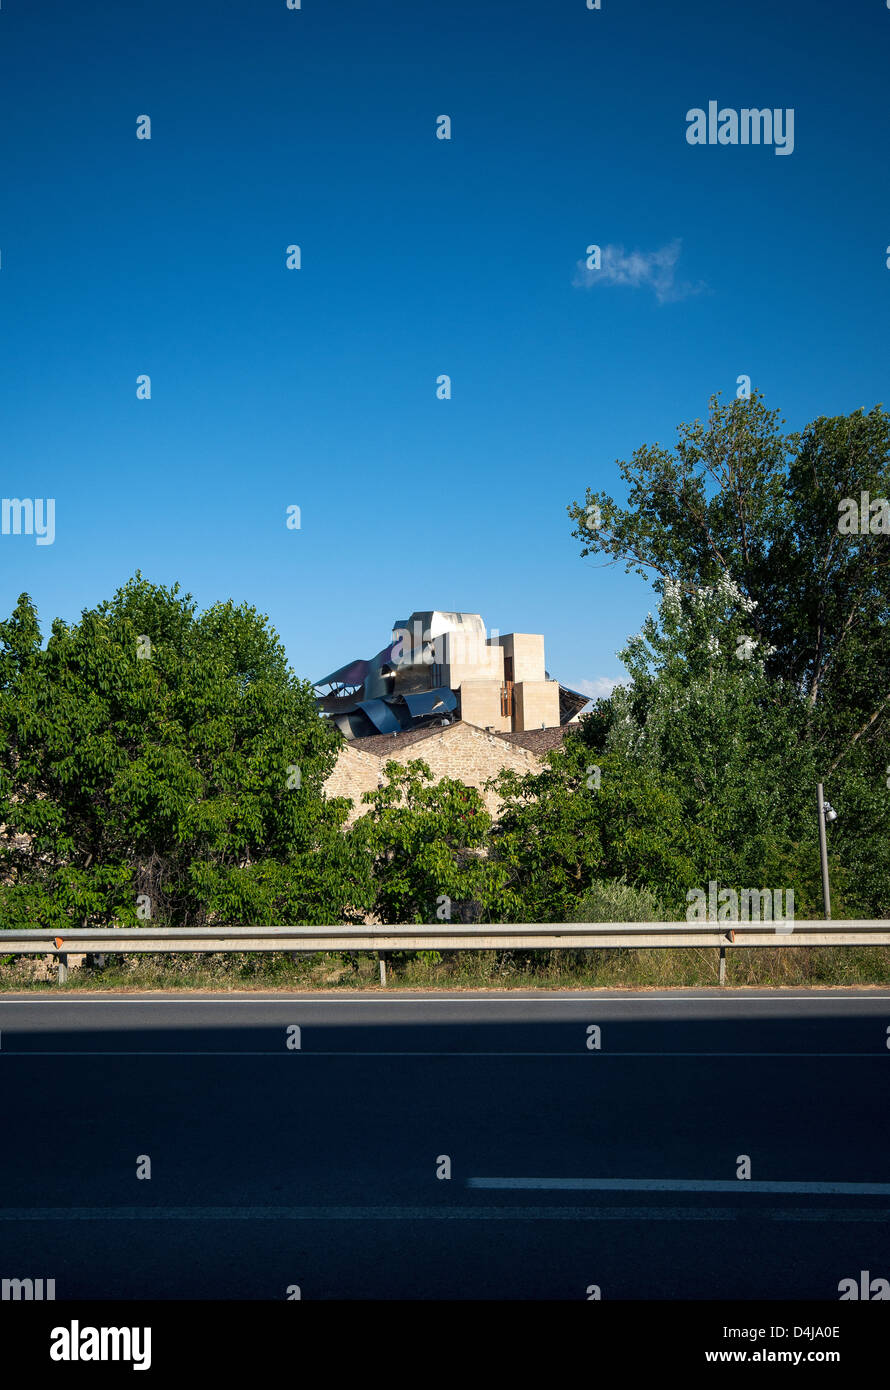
column 665, row 968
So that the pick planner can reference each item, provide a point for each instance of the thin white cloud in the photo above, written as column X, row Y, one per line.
column 598, row 688
column 654, row 270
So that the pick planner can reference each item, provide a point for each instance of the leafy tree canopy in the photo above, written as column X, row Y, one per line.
column 162, row 766
column 738, row 499
column 428, row 846
column 768, row 668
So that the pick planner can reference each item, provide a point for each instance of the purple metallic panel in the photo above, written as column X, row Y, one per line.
column 354, row 673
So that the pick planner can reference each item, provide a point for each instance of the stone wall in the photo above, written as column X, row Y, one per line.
column 461, row 751
column 355, row 773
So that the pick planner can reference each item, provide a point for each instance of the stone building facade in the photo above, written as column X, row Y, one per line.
column 460, row 750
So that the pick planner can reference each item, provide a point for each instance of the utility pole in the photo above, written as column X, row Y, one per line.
column 826, row 813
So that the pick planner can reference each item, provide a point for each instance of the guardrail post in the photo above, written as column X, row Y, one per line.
column 382, row 958
column 722, row 970
column 63, row 968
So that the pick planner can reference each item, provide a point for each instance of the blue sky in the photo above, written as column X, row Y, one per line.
column 317, row 388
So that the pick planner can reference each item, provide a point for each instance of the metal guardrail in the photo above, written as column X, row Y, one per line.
column 485, row 937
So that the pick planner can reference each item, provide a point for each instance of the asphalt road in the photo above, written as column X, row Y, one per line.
column 571, row 1166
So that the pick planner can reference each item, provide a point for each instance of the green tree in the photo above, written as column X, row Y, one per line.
column 586, row 817
column 428, row 845
column 738, row 499
column 154, row 760
column 702, row 711
column 740, row 508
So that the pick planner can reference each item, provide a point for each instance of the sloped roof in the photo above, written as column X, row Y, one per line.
column 538, row 741
column 381, row 744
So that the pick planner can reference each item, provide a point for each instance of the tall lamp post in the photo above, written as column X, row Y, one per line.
column 826, row 813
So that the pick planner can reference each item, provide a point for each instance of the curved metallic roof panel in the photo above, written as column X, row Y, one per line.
column 431, row 701
column 353, row 673
column 382, row 716
column 357, row 672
